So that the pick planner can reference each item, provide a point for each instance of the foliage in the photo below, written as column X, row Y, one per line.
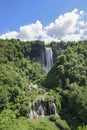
column 53, row 117
column 82, row 127
column 17, row 71
column 78, row 103
column 8, row 121
column 66, row 82
column 74, row 105
column 62, row 124
column 69, row 78
column 70, row 67
column 57, row 98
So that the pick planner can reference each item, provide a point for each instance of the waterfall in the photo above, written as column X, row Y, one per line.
column 53, row 109
column 32, row 113
column 49, row 58
column 42, row 107
column 36, row 108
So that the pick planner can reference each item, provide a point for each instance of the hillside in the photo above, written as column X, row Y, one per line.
column 69, row 77
column 70, row 67
column 21, row 66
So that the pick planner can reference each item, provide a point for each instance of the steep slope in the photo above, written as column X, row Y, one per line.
column 70, row 67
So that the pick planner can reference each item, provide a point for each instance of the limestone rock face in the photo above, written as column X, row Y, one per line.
column 43, row 55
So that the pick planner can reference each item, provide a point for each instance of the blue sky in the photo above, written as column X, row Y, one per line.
column 15, row 14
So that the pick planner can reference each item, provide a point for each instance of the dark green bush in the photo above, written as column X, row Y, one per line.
column 53, row 117
column 82, row 127
column 62, row 124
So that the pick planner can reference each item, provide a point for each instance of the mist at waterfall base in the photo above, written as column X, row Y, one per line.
column 48, row 58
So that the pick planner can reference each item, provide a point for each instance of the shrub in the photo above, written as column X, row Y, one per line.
column 82, row 127
column 62, row 124
column 53, row 117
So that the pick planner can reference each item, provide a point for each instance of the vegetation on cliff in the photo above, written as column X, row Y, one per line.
column 69, row 77
column 66, row 81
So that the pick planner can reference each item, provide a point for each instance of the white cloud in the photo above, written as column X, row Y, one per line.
column 30, row 32
column 9, row 35
column 68, row 27
column 63, row 25
column 71, row 37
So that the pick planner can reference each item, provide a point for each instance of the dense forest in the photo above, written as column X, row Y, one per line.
column 21, row 65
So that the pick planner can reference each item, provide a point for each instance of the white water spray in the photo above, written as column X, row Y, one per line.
column 49, row 58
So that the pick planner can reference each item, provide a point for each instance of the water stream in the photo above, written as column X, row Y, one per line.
column 49, row 58
column 42, row 108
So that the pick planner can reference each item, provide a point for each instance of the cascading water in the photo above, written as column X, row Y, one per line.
column 49, row 58
column 33, row 112
column 42, row 108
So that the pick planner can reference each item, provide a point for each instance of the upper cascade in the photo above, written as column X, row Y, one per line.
column 49, row 58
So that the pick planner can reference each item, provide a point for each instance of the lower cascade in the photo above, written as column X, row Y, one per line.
column 42, row 108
